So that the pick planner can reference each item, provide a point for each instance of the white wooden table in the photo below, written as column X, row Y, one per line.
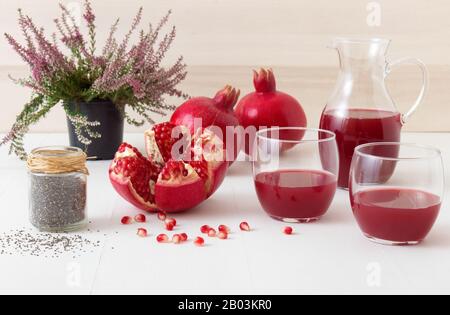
column 330, row 256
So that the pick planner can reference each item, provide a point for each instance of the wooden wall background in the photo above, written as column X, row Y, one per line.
column 223, row 40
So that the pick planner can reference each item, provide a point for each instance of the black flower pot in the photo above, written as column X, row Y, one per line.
column 111, row 128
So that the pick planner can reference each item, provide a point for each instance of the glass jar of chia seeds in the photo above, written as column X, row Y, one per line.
column 58, row 189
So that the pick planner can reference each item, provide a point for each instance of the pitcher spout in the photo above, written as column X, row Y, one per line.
column 361, row 53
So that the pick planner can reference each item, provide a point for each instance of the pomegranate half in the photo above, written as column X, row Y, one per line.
column 267, row 107
column 166, row 181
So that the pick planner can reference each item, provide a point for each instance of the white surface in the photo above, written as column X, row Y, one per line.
column 330, row 256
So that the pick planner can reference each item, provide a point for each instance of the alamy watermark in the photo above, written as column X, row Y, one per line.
column 374, row 274
column 374, row 14
column 235, row 139
column 74, row 275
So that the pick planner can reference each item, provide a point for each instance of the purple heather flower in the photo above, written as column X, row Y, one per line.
column 118, row 67
column 89, row 15
column 73, row 41
column 137, row 88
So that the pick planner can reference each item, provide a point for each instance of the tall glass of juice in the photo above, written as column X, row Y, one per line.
column 293, row 181
column 402, row 209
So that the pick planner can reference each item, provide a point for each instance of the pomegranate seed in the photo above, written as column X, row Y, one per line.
column 222, row 235
column 205, row 229
column 126, row 220
column 224, row 228
column 142, row 232
column 199, row 241
column 162, row 238
column 176, row 239
column 169, row 227
column 184, row 237
column 140, row 218
column 171, row 221
column 244, row 226
column 162, row 216
column 288, row 230
column 212, row 233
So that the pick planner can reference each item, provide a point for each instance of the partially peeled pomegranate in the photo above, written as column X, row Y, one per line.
column 170, row 180
column 215, row 113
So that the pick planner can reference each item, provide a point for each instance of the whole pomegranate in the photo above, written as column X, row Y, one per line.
column 268, row 108
column 165, row 182
column 213, row 112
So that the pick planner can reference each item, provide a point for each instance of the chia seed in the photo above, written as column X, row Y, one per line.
column 58, row 202
column 47, row 245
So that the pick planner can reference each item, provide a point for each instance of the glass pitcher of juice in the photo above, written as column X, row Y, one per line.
column 361, row 109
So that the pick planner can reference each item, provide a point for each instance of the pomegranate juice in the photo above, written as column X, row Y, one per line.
column 396, row 215
column 360, row 126
column 299, row 195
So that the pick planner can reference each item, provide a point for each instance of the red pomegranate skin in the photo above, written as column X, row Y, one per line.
column 267, row 107
column 214, row 112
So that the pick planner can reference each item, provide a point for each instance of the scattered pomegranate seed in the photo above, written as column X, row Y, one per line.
column 212, row 232
column 225, row 229
column 171, row 221
column 199, row 241
column 176, row 239
column 170, row 226
column 142, row 233
column 288, row 230
column 162, row 238
column 205, row 229
column 184, row 237
column 244, row 226
column 126, row 220
column 222, row 235
column 162, row 216
column 140, row 218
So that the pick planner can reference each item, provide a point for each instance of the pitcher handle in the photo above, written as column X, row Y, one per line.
column 425, row 84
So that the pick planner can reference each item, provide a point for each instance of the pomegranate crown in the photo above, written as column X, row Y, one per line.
column 227, row 97
column 264, row 81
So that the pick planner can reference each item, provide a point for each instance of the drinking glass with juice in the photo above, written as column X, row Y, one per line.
column 403, row 209
column 294, row 185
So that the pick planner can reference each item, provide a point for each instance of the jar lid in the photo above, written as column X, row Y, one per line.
column 57, row 160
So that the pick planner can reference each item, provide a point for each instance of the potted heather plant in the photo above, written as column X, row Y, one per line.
column 94, row 87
